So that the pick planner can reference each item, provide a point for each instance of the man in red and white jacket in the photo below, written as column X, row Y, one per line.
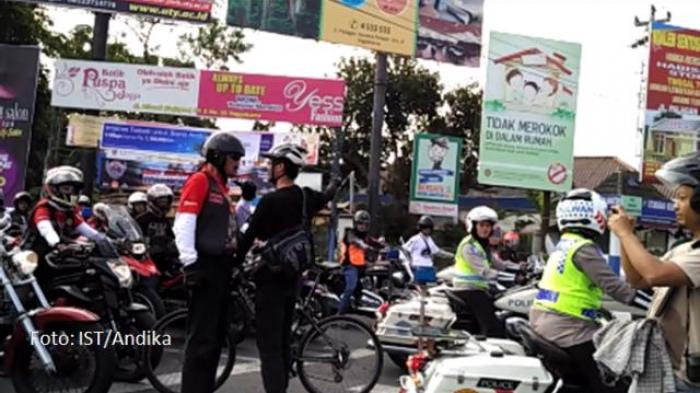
column 206, row 237
column 56, row 216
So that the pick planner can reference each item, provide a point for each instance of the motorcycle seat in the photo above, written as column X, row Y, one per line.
column 554, row 358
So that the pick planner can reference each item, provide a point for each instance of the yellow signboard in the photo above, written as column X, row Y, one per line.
column 84, row 130
column 381, row 25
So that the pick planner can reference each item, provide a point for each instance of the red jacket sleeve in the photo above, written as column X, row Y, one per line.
column 194, row 194
column 40, row 214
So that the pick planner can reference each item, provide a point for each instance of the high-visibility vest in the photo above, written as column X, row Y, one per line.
column 465, row 274
column 564, row 288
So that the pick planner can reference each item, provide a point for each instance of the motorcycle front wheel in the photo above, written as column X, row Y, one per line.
column 130, row 367
column 82, row 365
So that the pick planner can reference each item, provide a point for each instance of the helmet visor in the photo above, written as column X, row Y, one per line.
column 673, row 179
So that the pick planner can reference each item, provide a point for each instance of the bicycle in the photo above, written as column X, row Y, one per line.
column 327, row 353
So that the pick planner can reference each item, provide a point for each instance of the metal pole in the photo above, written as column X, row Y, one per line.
column 544, row 225
column 380, row 83
column 333, row 225
column 88, row 156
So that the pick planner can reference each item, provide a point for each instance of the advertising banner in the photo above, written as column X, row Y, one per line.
column 160, row 139
column 450, row 31
column 275, row 98
column 529, row 113
column 19, row 71
column 435, row 175
column 198, row 11
column 188, row 92
column 381, row 25
column 139, row 155
column 672, row 116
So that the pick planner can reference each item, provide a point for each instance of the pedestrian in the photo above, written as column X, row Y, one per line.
column 676, row 275
column 422, row 249
column 280, row 212
column 247, row 204
column 205, row 234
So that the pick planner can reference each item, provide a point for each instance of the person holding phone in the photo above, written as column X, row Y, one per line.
column 676, row 275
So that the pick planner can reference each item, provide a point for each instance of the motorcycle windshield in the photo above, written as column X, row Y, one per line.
column 121, row 225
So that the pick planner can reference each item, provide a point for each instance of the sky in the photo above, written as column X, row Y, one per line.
column 608, row 111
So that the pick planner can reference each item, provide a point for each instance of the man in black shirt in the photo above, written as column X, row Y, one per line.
column 276, row 293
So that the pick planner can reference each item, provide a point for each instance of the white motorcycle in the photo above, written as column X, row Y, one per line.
column 445, row 311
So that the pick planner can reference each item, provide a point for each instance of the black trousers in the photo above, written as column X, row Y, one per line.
column 481, row 306
column 582, row 355
column 207, row 322
column 275, row 298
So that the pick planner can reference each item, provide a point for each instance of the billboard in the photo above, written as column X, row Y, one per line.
column 189, row 92
column 450, row 31
column 381, row 25
column 19, row 71
column 672, row 115
column 529, row 113
column 185, row 10
column 138, row 155
column 435, row 175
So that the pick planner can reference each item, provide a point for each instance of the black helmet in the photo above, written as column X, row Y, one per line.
column 361, row 217
column 681, row 171
column 222, row 144
column 22, row 196
column 425, row 222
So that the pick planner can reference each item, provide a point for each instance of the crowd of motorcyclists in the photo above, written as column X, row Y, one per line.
column 211, row 234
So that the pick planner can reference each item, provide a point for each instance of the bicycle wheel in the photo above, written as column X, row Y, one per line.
column 166, row 376
column 339, row 354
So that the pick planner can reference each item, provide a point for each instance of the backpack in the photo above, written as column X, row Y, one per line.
column 292, row 251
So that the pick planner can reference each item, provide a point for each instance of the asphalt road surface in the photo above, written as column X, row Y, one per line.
column 245, row 377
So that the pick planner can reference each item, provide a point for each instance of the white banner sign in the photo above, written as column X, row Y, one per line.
column 125, row 87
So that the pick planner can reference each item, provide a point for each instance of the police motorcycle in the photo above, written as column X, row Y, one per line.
column 131, row 245
column 47, row 348
column 95, row 277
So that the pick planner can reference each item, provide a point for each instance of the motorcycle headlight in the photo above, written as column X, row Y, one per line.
column 138, row 248
column 123, row 273
column 26, row 261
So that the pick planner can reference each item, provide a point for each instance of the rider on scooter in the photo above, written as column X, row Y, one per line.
column 85, row 207
column 157, row 228
column 353, row 248
column 56, row 216
column 574, row 280
column 137, row 204
column 422, row 248
column 99, row 220
column 475, row 267
column 20, row 215
column 509, row 252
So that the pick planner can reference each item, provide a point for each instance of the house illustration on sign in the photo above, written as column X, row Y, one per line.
column 534, row 79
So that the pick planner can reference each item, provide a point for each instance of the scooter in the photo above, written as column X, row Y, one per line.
column 48, row 349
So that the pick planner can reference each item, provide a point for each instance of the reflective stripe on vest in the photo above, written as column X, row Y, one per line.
column 465, row 274
column 564, row 288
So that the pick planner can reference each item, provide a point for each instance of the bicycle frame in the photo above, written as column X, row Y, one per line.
column 304, row 313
